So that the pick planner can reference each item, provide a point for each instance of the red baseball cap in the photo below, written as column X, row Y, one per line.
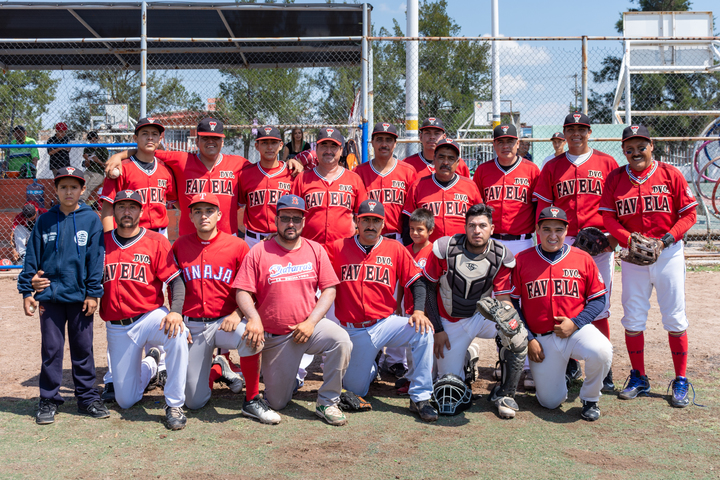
column 210, row 198
column 61, row 126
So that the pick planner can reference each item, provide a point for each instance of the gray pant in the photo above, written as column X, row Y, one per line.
column 281, row 359
column 92, row 181
column 207, row 336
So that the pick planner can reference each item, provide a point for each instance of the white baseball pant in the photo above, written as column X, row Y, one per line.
column 460, row 335
column 517, row 246
column 606, row 265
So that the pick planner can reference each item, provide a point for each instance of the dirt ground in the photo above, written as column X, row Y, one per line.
column 20, row 352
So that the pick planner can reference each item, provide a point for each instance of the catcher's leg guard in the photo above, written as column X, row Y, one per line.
column 512, row 359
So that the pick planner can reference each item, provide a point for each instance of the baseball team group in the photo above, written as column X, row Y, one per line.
column 401, row 263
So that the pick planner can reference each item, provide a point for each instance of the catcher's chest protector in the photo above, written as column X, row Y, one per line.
column 467, row 280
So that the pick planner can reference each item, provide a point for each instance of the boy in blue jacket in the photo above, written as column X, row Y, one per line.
column 66, row 249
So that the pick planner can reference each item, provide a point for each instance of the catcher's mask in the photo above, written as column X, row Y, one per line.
column 451, row 395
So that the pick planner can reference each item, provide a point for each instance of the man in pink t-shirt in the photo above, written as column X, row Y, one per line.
column 284, row 274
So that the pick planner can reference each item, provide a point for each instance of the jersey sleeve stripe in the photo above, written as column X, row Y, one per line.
column 412, row 280
column 503, row 292
column 598, row 294
column 515, row 296
column 535, row 194
column 103, row 197
column 693, row 204
column 172, row 277
column 606, row 209
column 406, row 212
column 429, row 277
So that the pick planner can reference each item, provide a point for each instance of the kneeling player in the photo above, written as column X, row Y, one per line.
column 137, row 264
column 469, row 267
column 369, row 267
column 209, row 260
column 561, row 292
column 665, row 212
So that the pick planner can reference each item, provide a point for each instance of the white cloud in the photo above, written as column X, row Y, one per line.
column 548, row 113
column 525, row 54
column 510, row 84
column 383, row 7
column 538, row 88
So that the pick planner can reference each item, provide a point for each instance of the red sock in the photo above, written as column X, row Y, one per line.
column 215, row 373
column 679, row 348
column 251, row 371
column 233, row 366
column 635, row 342
column 604, row 326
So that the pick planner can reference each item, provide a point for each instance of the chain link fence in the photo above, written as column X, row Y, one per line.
column 311, row 84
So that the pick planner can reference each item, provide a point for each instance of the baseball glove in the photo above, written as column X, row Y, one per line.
column 591, row 240
column 505, row 316
column 641, row 250
column 349, row 402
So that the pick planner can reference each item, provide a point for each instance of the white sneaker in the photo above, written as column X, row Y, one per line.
column 258, row 409
column 234, row 381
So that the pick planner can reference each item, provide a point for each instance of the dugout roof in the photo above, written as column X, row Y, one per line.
column 46, row 36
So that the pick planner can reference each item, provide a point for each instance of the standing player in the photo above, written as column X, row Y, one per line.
column 431, row 133
column 331, row 193
column 262, row 184
column 506, row 184
column 147, row 176
column 287, row 271
column 653, row 199
column 574, row 182
column 369, row 267
column 209, row 260
column 468, row 267
column 138, row 262
column 558, row 142
column 445, row 193
column 561, row 291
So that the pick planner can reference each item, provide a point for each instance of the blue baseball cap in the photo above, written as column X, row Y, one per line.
column 287, row 202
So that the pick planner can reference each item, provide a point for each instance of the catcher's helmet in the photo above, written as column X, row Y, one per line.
column 451, row 395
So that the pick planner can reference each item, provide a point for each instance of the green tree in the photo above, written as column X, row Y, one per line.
column 24, row 97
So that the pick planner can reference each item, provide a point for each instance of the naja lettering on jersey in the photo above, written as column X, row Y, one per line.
column 561, row 287
column 448, row 209
column 388, row 196
column 152, row 195
column 365, row 273
column 217, row 186
column 512, row 192
column 336, row 199
column 266, row 197
column 125, row 271
column 650, row 203
column 208, row 272
column 580, row 186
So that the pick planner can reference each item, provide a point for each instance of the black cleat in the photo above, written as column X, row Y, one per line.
column 424, row 409
column 46, row 412
column 95, row 409
column 108, row 393
column 590, row 411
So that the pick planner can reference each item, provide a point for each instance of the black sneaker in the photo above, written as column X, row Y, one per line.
column 608, row 385
column 108, row 393
column 154, row 353
column 424, row 409
column 590, row 411
column 95, row 409
column 573, row 369
column 258, row 409
column 46, row 412
column 175, row 418
column 397, row 369
column 162, row 378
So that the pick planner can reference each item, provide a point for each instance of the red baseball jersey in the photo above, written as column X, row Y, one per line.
column 367, row 280
column 509, row 194
column 576, row 188
column 390, row 189
column 448, row 204
column 421, row 260
column 437, row 267
column 209, row 269
column 193, row 177
column 425, row 168
column 330, row 204
column 134, row 275
column 156, row 187
column 653, row 202
column 547, row 289
column 260, row 190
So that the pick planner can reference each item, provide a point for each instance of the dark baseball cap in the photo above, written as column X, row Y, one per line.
column 204, row 197
column 210, row 127
column 288, row 202
column 143, row 122
column 70, row 172
column 268, row 132
column 382, row 127
column 448, row 142
column 635, row 131
column 19, row 128
column 559, row 135
column 131, row 195
column 371, row 208
column 577, row 118
column 332, row 134
column 432, row 122
column 552, row 213
column 505, row 131
column 29, row 210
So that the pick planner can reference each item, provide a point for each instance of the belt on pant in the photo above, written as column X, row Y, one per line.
column 127, row 321
column 365, row 324
column 545, row 334
column 205, row 319
column 506, row 236
column 256, row 236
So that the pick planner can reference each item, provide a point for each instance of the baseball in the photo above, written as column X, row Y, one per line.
column 32, row 308
column 115, row 173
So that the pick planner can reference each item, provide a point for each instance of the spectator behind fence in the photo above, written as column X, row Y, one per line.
column 296, row 144
column 558, row 143
column 524, row 150
column 22, row 160
column 59, row 157
column 22, row 228
column 95, row 158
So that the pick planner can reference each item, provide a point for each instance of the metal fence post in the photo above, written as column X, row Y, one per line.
column 628, row 110
column 495, row 66
column 143, row 61
column 364, row 85
column 411, row 76
column 585, row 74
